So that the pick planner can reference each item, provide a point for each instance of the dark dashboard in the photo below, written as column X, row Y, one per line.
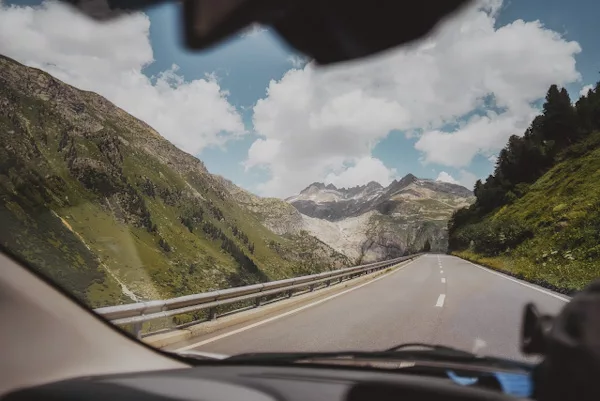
column 258, row 383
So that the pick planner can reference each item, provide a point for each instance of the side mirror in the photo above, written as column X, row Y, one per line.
column 534, row 330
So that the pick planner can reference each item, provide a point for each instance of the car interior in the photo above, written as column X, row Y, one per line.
column 52, row 347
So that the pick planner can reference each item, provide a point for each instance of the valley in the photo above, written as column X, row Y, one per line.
column 100, row 202
column 366, row 223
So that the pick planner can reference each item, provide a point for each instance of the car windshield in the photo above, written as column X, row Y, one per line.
column 246, row 199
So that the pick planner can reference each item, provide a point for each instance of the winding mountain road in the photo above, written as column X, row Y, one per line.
column 434, row 299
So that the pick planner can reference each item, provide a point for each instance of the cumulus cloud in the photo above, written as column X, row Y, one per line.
column 315, row 122
column 364, row 170
column 298, row 61
column 108, row 58
column 445, row 177
column 584, row 91
column 466, row 178
column 481, row 134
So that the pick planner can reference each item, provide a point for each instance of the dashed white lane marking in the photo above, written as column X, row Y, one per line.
column 441, row 272
column 565, row 299
column 291, row 312
column 440, row 301
column 443, row 280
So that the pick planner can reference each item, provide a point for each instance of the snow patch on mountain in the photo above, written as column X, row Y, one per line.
column 345, row 236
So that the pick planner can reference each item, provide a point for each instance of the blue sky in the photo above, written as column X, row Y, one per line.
column 254, row 115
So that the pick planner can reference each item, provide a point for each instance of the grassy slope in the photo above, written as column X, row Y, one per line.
column 562, row 209
column 80, row 238
column 32, row 231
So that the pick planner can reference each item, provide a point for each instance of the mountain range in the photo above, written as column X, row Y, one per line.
column 330, row 203
column 372, row 222
column 368, row 222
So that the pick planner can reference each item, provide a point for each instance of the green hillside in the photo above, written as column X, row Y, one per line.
column 100, row 202
column 538, row 216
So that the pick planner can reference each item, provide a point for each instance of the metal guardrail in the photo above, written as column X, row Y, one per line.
column 141, row 312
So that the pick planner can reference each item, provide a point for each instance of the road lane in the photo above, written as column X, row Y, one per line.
column 436, row 299
column 484, row 308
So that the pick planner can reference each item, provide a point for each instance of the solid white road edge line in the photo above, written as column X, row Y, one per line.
column 440, row 301
column 291, row 312
column 443, row 280
column 565, row 299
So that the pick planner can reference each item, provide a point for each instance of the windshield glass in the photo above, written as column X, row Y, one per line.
column 422, row 195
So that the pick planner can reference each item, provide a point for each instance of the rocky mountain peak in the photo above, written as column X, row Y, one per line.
column 371, row 185
column 408, row 179
column 374, row 185
column 315, row 186
column 332, row 203
column 405, row 181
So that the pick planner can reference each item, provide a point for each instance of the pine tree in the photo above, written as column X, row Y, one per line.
column 559, row 123
column 588, row 111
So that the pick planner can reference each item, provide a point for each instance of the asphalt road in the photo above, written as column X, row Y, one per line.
column 436, row 299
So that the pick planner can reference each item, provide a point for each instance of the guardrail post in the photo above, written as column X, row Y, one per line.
column 212, row 313
column 312, row 287
column 328, row 282
column 137, row 330
column 257, row 302
column 290, row 293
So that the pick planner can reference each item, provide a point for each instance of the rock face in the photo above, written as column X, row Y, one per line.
column 331, row 203
column 103, row 204
column 370, row 222
column 275, row 214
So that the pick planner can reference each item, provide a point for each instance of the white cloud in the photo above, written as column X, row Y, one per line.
column 445, row 177
column 108, row 58
column 466, row 178
column 584, row 91
column 479, row 135
column 298, row 61
column 364, row 170
column 325, row 120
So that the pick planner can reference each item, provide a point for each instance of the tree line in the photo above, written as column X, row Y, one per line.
column 558, row 133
